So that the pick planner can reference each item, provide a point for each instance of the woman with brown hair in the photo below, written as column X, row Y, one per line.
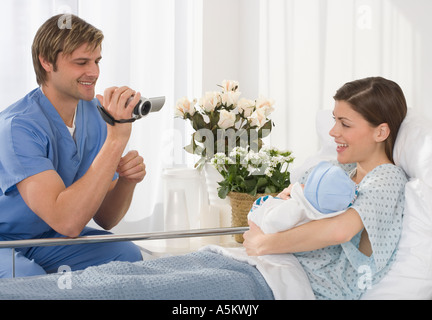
column 339, row 254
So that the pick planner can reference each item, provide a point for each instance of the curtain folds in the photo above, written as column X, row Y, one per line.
column 310, row 48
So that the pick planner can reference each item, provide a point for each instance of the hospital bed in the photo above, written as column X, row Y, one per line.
column 410, row 276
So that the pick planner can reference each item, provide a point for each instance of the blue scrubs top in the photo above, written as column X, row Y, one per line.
column 33, row 139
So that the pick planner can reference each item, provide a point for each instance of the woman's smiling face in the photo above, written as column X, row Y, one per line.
column 354, row 136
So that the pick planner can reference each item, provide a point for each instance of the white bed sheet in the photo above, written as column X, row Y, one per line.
column 283, row 273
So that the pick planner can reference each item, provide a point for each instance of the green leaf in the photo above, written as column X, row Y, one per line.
column 265, row 130
column 200, row 163
column 198, row 121
column 250, row 183
column 261, row 182
column 192, row 146
column 223, row 192
column 189, row 148
column 270, row 189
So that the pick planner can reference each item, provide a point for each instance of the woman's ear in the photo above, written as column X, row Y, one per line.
column 382, row 132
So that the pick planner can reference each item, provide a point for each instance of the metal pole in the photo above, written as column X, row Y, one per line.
column 122, row 237
column 13, row 262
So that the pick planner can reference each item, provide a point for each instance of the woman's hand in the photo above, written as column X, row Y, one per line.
column 285, row 193
column 254, row 240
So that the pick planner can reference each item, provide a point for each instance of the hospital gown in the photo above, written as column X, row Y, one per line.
column 33, row 139
column 342, row 271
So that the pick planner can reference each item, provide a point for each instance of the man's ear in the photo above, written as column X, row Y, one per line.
column 382, row 132
column 45, row 64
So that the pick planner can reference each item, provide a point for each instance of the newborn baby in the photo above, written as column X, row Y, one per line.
column 328, row 191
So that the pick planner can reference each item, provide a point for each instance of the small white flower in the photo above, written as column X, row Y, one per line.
column 268, row 171
column 219, row 159
column 238, row 151
column 238, row 155
column 255, row 159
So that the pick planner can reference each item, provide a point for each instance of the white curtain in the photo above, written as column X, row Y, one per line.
column 148, row 46
column 138, row 51
column 310, row 48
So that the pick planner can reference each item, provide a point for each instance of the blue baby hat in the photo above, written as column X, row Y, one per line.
column 329, row 188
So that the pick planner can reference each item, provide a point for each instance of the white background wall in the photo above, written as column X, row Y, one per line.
column 299, row 52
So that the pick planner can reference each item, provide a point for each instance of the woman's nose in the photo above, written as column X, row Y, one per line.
column 333, row 131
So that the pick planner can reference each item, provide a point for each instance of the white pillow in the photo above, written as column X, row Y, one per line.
column 413, row 147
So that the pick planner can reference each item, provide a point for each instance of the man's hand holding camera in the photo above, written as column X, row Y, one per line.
column 114, row 101
column 117, row 102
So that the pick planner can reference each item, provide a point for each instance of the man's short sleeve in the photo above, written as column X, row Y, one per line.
column 23, row 153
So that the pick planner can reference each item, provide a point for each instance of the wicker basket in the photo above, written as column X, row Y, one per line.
column 241, row 203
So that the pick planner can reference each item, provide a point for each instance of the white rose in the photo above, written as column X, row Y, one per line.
column 210, row 101
column 245, row 105
column 226, row 119
column 230, row 98
column 230, row 85
column 184, row 106
column 265, row 104
column 258, row 118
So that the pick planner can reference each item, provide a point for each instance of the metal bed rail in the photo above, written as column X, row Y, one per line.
column 122, row 237
column 13, row 244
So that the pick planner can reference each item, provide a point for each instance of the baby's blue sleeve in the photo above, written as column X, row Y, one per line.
column 259, row 202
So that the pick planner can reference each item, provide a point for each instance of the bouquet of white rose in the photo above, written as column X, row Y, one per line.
column 223, row 121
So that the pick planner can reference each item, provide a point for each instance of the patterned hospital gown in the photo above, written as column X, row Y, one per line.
column 342, row 271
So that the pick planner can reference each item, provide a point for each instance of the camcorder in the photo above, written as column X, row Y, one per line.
column 143, row 108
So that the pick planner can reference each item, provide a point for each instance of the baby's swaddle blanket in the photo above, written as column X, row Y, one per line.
column 275, row 215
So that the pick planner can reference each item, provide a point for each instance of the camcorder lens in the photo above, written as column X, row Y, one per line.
column 147, row 105
column 143, row 108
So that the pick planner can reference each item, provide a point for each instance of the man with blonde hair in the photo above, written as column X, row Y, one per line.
column 61, row 165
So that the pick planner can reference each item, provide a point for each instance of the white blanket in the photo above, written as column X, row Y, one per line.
column 283, row 273
column 276, row 215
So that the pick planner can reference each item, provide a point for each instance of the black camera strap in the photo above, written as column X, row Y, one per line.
column 108, row 118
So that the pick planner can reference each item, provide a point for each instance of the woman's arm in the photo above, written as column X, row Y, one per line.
column 309, row 236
